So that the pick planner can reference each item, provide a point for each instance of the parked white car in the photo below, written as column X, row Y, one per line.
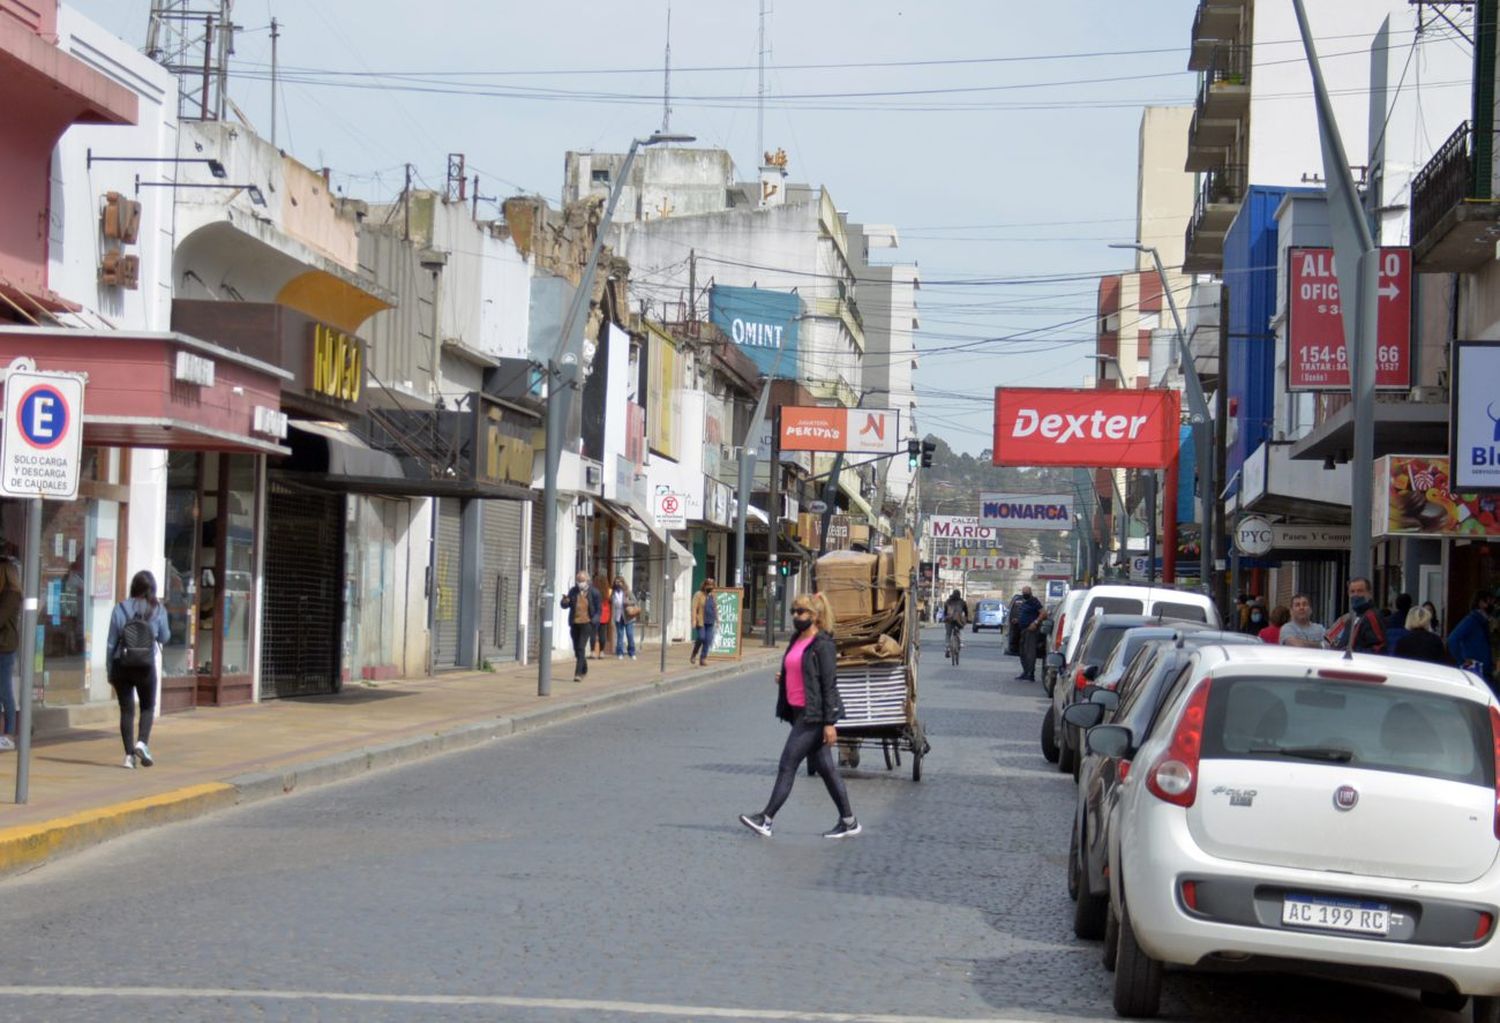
column 1303, row 810
column 1120, row 598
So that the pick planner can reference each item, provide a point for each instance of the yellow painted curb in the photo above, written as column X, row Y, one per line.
column 29, row 844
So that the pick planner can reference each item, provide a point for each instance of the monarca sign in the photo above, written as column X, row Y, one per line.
column 1126, row 429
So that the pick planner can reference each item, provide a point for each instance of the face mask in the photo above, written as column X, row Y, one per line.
column 801, row 623
column 1256, row 618
column 1359, row 604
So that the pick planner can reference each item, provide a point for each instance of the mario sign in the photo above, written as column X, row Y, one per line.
column 1126, row 429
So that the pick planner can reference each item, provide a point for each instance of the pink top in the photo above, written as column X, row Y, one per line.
column 792, row 666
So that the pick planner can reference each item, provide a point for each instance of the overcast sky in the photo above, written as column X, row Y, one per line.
column 1008, row 156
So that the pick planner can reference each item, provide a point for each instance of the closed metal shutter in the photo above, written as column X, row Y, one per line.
column 534, row 635
column 500, row 579
column 304, row 576
column 447, row 573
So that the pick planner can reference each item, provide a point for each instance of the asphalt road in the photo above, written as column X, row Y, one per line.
column 595, row 871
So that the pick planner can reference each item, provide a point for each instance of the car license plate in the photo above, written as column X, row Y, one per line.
column 1336, row 915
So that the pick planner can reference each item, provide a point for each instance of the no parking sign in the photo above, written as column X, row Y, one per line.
column 43, row 435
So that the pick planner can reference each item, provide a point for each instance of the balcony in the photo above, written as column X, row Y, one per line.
column 1218, row 201
column 1222, row 107
column 1455, row 222
column 1215, row 23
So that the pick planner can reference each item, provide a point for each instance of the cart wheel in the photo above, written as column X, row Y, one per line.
column 849, row 756
column 891, row 757
column 916, row 764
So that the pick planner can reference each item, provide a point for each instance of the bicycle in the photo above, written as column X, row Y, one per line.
column 955, row 642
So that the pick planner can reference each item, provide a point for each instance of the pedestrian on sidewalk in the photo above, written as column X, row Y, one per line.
column 10, row 642
column 1033, row 642
column 136, row 627
column 604, row 630
column 1025, row 609
column 1418, row 642
column 705, row 620
column 1469, row 642
column 808, row 699
column 585, row 604
column 624, row 610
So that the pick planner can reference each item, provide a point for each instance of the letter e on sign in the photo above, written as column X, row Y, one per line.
column 43, row 435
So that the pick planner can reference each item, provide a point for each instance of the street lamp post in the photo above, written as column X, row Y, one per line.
column 563, row 373
column 1202, row 423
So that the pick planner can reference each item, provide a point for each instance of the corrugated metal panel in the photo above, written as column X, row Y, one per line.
column 534, row 639
column 447, row 575
column 500, row 580
column 303, row 592
column 400, row 348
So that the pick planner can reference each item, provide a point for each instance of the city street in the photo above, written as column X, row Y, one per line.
column 595, row 871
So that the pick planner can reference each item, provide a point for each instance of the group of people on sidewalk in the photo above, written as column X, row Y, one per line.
column 1409, row 630
column 594, row 620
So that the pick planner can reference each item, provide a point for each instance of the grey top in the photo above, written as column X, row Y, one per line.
column 1312, row 632
column 129, row 608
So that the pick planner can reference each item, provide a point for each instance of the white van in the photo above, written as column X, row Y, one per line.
column 1122, row 598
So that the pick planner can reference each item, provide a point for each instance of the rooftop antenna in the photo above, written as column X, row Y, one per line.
column 760, row 92
column 666, row 84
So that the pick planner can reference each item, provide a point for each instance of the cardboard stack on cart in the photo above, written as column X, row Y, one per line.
column 876, row 631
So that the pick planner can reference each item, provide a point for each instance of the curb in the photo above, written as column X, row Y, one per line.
column 25, row 847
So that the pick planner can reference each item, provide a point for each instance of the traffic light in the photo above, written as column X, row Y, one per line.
column 928, row 447
column 783, row 566
column 913, row 453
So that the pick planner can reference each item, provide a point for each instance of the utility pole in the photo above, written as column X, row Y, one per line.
column 773, row 514
column 275, row 34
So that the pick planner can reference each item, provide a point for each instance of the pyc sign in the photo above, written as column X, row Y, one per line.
column 43, row 435
column 762, row 323
column 1475, row 428
column 1026, row 511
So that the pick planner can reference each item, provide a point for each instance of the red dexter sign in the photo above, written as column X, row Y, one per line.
column 1317, row 356
column 1074, row 427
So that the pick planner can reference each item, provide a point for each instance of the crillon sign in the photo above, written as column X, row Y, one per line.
column 1317, row 355
column 1126, row 429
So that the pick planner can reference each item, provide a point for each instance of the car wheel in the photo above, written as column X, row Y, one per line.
column 1137, row 976
column 1485, row 1009
column 1111, row 938
column 1066, row 756
column 1089, row 913
column 1073, row 872
column 1049, row 738
column 1448, row 1001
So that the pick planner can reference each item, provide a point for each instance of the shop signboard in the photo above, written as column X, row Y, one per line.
column 1125, row 429
column 835, row 428
column 1475, row 428
column 964, row 528
column 1253, row 536
column 992, row 561
column 1317, row 352
column 726, row 639
column 1026, row 511
column 1053, row 570
column 761, row 322
column 1413, row 497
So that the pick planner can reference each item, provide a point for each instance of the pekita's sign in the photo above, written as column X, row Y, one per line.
column 1026, row 511
column 1126, row 429
column 862, row 430
column 1317, row 353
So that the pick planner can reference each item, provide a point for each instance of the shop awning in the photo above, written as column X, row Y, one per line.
column 857, row 503
column 331, row 457
column 680, row 554
column 1401, row 427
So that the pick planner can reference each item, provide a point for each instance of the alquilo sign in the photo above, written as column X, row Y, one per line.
column 1026, row 511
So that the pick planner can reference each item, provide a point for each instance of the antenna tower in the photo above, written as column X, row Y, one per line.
column 760, row 91
column 194, row 40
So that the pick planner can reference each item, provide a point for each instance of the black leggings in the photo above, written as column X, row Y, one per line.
column 806, row 743
column 134, row 686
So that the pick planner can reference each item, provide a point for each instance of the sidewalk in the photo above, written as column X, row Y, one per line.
column 214, row 758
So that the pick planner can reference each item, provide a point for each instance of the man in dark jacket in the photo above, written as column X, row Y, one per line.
column 1025, row 611
column 585, row 606
column 1360, row 630
column 1469, row 642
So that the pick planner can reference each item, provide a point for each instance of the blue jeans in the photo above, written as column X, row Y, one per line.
column 8, row 691
column 624, row 629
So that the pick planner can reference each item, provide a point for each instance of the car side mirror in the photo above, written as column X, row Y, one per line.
column 1083, row 715
column 1106, row 698
column 1091, row 672
column 1088, row 692
column 1108, row 740
column 1055, row 660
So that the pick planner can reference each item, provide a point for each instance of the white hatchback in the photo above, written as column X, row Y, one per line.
column 1301, row 810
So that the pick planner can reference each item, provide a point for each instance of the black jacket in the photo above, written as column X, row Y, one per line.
column 819, row 683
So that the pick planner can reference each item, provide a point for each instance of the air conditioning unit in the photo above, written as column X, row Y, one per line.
column 1429, row 395
column 594, row 475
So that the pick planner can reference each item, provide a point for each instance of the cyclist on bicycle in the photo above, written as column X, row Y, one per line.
column 955, row 616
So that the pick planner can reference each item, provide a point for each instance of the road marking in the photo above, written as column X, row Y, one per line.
column 497, row 1001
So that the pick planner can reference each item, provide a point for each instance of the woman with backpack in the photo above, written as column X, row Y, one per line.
column 136, row 626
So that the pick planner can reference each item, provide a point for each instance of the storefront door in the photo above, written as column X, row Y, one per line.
column 302, row 651
column 447, row 582
column 500, row 580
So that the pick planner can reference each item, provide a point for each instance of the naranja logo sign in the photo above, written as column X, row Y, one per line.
column 1125, row 429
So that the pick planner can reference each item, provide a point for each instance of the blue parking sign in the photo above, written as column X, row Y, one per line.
column 43, row 434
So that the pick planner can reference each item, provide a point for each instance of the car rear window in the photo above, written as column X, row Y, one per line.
column 1114, row 606
column 1179, row 612
column 1103, row 643
column 1364, row 725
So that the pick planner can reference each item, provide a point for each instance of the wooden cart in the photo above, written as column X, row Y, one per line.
column 880, row 692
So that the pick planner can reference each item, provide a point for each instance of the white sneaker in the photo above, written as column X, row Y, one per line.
column 129, row 763
column 143, row 754
column 6, row 742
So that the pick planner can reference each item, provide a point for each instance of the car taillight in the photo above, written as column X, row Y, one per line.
column 1123, row 771
column 1482, row 926
column 1190, row 895
column 1345, row 675
column 1080, row 679
column 1174, row 777
column 1495, row 738
column 1057, row 638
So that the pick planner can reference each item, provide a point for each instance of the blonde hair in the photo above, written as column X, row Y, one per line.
column 821, row 609
column 1418, row 618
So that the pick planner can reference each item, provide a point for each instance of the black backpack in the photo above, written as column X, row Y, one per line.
column 137, row 640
